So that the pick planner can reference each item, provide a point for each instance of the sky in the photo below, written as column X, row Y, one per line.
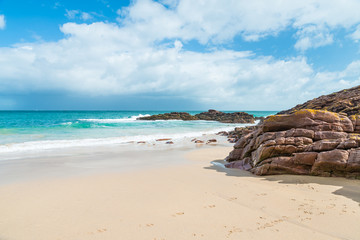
column 175, row 54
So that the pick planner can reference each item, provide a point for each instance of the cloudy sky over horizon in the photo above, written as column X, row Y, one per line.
column 175, row 54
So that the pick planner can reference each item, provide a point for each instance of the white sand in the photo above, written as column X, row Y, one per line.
column 192, row 200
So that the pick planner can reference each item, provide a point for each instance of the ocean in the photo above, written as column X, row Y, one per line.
column 43, row 130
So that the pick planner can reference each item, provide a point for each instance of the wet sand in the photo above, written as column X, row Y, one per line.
column 192, row 199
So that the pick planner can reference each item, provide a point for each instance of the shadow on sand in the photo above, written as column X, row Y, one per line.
column 349, row 188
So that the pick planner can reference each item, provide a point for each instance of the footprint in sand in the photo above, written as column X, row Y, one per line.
column 262, row 194
column 201, row 235
column 102, row 230
column 210, row 206
column 178, row 214
column 149, row 225
column 331, row 206
column 233, row 230
column 232, row 199
column 272, row 223
column 305, row 219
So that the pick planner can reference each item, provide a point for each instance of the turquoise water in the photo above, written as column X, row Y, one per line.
column 28, row 130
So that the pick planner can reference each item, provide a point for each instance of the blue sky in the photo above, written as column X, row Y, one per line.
column 175, row 54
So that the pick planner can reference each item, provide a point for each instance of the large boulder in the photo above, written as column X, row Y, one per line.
column 314, row 142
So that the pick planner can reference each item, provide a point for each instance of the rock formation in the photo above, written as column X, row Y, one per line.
column 236, row 117
column 170, row 116
column 211, row 115
column 313, row 142
column 345, row 101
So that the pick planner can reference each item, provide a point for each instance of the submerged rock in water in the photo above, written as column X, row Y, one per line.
column 211, row 141
column 312, row 142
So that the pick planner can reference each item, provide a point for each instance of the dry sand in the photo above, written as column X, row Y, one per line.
column 195, row 200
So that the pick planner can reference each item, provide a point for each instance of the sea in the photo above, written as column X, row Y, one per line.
column 43, row 130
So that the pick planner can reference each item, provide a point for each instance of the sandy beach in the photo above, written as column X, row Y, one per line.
column 192, row 199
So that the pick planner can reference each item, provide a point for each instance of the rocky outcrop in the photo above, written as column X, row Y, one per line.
column 170, row 116
column 346, row 101
column 211, row 115
column 236, row 117
column 312, row 142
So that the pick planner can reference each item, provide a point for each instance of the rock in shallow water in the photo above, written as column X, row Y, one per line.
column 211, row 115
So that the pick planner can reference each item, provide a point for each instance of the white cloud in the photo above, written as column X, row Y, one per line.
column 219, row 21
column 105, row 59
column 145, row 53
column 2, row 22
column 86, row 16
column 72, row 14
column 313, row 37
column 356, row 34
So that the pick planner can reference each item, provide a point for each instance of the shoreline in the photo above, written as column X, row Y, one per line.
column 55, row 145
column 72, row 161
column 192, row 199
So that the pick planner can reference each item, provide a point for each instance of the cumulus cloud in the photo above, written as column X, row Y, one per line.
column 105, row 59
column 313, row 37
column 220, row 21
column 144, row 53
column 2, row 22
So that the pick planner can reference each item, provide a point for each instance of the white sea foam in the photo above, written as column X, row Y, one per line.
column 114, row 120
column 58, row 144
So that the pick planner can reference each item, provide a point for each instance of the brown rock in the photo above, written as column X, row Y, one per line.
column 163, row 139
column 170, row 116
column 169, row 142
column 198, row 141
column 308, row 141
column 355, row 119
column 305, row 158
column 347, row 144
column 346, row 101
column 243, row 141
column 300, row 132
column 223, row 133
column 325, row 145
column 331, row 161
column 244, row 164
column 317, row 120
column 320, row 135
column 281, row 165
column 236, row 117
column 353, row 163
column 234, row 155
column 264, row 152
